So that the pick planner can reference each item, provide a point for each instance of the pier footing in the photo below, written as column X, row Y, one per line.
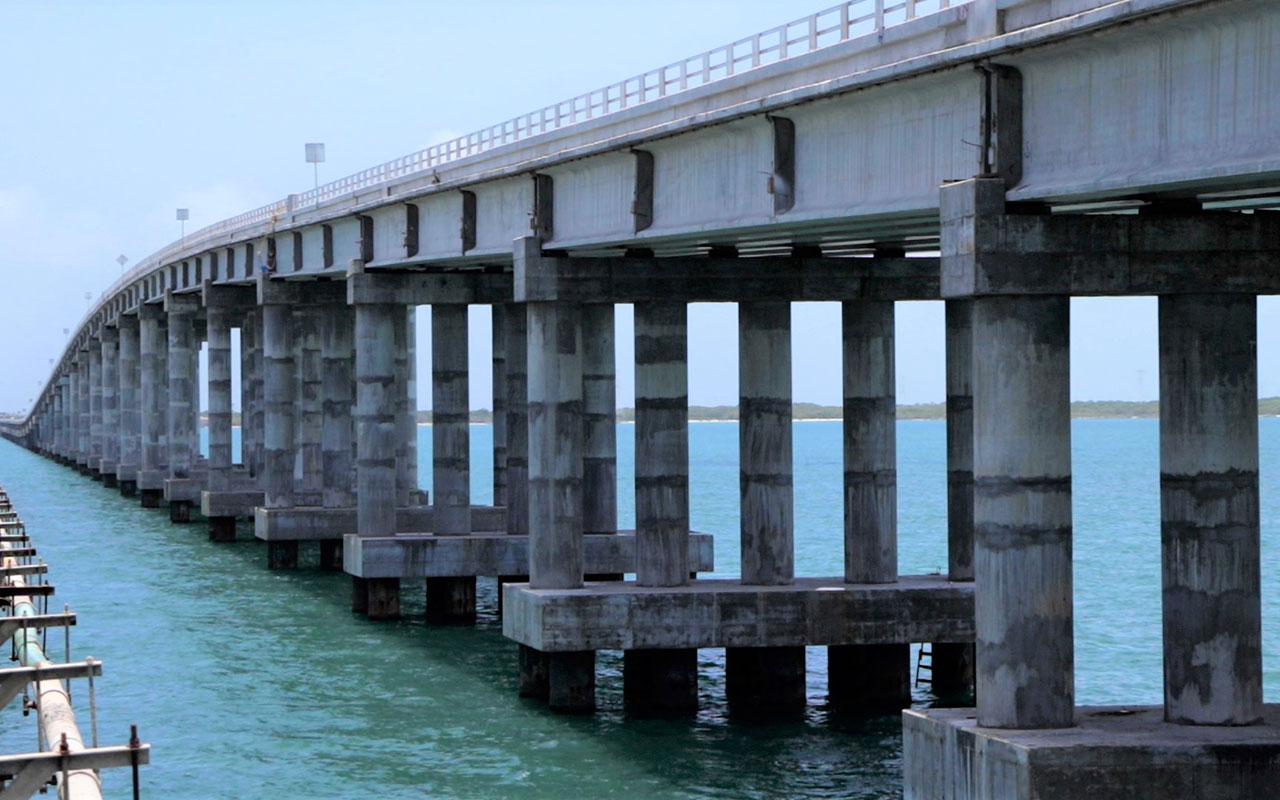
column 1111, row 752
column 222, row 529
column 660, row 682
column 764, row 630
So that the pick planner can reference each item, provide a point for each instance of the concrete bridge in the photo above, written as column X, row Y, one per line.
column 999, row 155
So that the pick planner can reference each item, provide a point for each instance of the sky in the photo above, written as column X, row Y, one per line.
column 117, row 113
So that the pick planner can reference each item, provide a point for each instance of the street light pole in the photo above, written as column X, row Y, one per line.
column 315, row 156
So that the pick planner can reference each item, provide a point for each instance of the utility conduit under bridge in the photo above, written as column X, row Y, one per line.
column 67, row 759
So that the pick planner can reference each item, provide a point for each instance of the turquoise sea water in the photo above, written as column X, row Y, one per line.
column 252, row 683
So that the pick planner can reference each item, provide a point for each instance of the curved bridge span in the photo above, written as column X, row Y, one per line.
column 1002, row 156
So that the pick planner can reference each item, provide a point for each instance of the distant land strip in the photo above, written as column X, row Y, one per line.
column 1085, row 409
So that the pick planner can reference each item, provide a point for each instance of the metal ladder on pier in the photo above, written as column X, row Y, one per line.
column 61, row 757
column 924, row 664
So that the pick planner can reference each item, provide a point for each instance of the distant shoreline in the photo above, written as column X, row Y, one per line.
column 810, row 412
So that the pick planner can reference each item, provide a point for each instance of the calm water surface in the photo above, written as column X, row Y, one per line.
column 252, row 683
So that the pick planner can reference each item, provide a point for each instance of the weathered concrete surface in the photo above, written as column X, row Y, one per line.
column 1106, row 254
column 1209, row 509
column 662, row 444
column 498, row 333
column 185, row 490
column 450, row 420
column 303, row 523
column 764, row 446
column 218, row 319
column 555, row 433
column 338, row 352
column 727, row 613
column 1022, row 512
column 427, row 556
column 110, row 405
column 517, row 328
column 280, row 392
column 870, row 443
column 599, row 420
column 308, row 465
column 959, row 347
column 154, row 398
column 95, row 403
column 1111, row 752
column 230, row 503
column 375, row 419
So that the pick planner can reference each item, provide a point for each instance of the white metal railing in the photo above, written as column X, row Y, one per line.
column 814, row 32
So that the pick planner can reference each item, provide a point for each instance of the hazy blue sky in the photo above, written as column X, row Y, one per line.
column 116, row 113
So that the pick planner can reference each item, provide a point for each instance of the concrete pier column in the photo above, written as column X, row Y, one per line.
column 516, row 317
column 338, row 354
column 555, row 445
column 84, row 413
column 499, row 334
column 953, row 662
column 95, row 407
column 870, row 443
column 450, row 599
column 183, row 395
column 451, row 424
column 219, row 388
column 406, row 392
column 661, row 681
column 769, row 676
column 279, row 453
column 1022, row 512
column 55, row 410
column 872, row 679
column 110, row 405
column 130, row 406
column 246, row 392
column 258, row 419
column 154, row 358
column 199, row 334
column 376, row 435
column 73, row 413
column 1209, row 509
column 309, row 423
column 599, row 417
column 555, row 361
column 662, row 444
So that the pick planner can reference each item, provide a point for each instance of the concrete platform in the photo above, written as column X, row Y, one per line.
column 724, row 613
column 151, row 479
column 1113, row 752
column 233, row 503
column 425, row 556
column 303, row 524
column 179, row 490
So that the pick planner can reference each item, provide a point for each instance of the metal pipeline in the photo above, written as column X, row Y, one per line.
column 57, row 717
